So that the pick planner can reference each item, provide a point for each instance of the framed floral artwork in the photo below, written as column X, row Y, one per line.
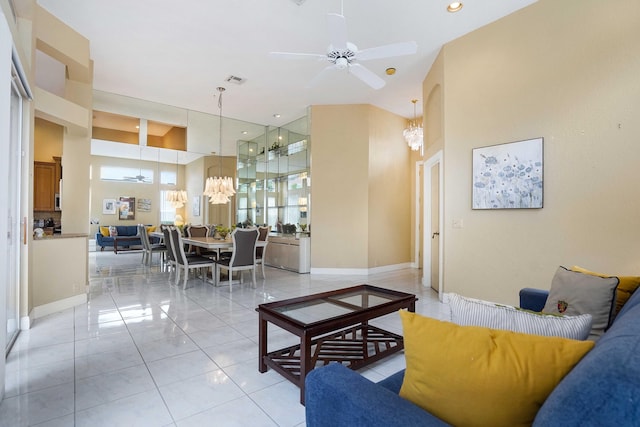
column 508, row 176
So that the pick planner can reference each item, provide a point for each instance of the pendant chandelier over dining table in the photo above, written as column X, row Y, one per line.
column 219, row 189
column 176, row 198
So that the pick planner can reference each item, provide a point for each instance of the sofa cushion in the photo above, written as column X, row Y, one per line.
column 626, row 287
column 474, row 312
column 604, row 389
column 468, row 375
column 104, row 231
column 127, row 230
column 573, row 293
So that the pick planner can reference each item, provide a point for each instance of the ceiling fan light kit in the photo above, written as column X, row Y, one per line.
column 344, row 55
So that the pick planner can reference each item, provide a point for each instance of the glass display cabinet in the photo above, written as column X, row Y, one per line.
column 274, row 181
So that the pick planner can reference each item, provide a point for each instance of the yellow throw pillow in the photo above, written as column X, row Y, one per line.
column 474, row 376
column 151, row 229
column 104, row 231
column 626, row 287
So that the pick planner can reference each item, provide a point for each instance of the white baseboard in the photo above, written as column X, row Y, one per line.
column 360, row 271
column 25, row 322
column 56, row 306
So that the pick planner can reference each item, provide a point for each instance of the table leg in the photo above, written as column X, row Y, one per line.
column 262, row 344
column 305, row 362
column 115, row 246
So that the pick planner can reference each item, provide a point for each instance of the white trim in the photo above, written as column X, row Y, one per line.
column 426, row 258
column 361, row 271
column 56, row 306
column 25, row 323
column 418, row 195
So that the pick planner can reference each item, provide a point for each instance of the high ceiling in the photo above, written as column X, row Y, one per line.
column 177, row 53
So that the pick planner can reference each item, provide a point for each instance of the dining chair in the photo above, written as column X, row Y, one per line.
column 197, row 231
column 186, row 263
column 260, row 250
column 170, row 260
column 243, row 256
column 148, row 249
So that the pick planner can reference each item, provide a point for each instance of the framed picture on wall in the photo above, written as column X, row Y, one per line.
column 144, row 205
column 508, row 176
column 108, row 206
column 196, row 206
column 127, row 208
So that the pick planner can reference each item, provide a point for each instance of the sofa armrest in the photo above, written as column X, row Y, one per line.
column 337, row 396
column 533, row 299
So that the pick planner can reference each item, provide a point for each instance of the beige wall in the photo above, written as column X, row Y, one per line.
column 359, row 165
column 62, row 272
column 566, row 71
column 389, row 233
column 47, row 138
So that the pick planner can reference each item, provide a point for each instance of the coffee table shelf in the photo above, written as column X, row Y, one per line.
column 333, row 327
column 348, row 347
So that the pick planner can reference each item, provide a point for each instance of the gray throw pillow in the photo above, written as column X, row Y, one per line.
column 573, row 293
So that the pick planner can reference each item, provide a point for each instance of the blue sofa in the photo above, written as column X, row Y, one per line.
column 603, row 389
column 123, row 230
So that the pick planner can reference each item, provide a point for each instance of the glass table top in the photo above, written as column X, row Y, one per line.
column 315, row 308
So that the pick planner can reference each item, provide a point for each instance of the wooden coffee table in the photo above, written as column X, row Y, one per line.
column 123, row 239
column 333, row 327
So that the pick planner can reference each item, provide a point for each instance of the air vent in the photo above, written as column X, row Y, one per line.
column 235, row 80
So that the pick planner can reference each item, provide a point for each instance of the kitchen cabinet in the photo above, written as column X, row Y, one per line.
column 44, row 186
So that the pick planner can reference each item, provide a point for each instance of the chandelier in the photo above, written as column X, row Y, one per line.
column 177, row 198
column 413, row 134
column 219, row 189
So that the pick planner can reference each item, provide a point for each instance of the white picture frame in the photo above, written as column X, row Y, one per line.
column 108, row 206
column 508, row 176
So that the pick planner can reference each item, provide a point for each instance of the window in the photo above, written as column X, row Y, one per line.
column 167, row 212
column 124, row 174
column 168, row 177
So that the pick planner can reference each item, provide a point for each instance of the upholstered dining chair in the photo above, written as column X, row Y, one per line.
column 243, row 256
column 263, row 235
column 148, row 249
column 196, row 231
column 186, row 263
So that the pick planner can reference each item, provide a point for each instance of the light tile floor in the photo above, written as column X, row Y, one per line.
column 143, row 352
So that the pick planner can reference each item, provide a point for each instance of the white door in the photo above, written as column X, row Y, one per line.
column 11, row 265
column 432, row 220
column 435, row 227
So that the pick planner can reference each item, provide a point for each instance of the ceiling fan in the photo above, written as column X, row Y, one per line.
column 345, row 55
column 138, row 178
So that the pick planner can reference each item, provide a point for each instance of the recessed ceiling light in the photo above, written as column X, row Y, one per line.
column 390, row 71
column 454, row 7
column 244, row 132
column 277, row 116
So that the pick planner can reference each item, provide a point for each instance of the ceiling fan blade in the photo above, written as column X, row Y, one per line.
column 387, row 51
column 337, row 31
column 292, row 55
column 320, row 76
column 366, row 76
